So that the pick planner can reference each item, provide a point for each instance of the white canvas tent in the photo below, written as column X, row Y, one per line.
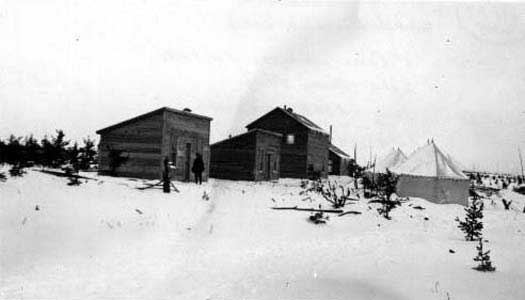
column 393, row 159
column 431, row 174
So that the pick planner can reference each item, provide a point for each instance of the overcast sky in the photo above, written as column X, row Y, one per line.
column 383, row 74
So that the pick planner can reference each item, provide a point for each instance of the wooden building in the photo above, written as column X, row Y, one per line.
column 304, row 145
column 254, row 155
column 338, row 161
column 148, row 139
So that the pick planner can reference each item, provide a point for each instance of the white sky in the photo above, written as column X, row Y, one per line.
column 383, row 74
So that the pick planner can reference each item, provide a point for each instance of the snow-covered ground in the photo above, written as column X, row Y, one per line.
column 106, row 239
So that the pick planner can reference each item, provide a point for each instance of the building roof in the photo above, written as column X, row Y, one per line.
column 256, row 130
column 297, row 117
column 151, row 113
column 393, row 159
column 430, row 161
column 338, row 151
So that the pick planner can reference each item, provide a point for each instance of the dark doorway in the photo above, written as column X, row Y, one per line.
column 187, row 169
column 268, row 166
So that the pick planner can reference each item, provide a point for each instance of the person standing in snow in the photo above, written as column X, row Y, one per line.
column 198, row 168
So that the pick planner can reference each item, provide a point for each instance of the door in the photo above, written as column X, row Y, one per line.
column 187, row 169
column 268, row 167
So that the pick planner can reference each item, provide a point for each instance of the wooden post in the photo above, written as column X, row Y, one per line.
column 521, row 163
column 166, row 183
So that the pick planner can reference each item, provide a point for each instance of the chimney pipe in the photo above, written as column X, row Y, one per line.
column 330, row 133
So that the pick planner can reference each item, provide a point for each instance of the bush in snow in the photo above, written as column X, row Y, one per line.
column 3, row 178
column 387, row 205
column 386, row 187
column 355, row 171
column 331, row 195
column 504, row 184
column 87, row 154
column 485, row 265
column 318, row 217
column 506, row 203
column 335, row 194
column 73, row 180
column 387, row 184
column 17, row 170
column 309, row 186
column 472, row 224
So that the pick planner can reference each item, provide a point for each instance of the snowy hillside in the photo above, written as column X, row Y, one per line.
column 107, row 239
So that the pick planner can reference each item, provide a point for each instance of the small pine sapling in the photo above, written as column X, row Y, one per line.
column 17, row 170
column 386, row 207
column 485, row 265
column 504, row 184
column 386, row 185
column 3, row 178
column 472, row 224
column 506, row 203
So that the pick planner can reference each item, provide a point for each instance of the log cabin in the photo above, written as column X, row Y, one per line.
column 145, row 141
column 304, row 145
column 254, row 156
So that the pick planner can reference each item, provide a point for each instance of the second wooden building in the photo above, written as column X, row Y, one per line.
column 254, row 155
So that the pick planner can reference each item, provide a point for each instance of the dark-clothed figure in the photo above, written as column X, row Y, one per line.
column 198, row 168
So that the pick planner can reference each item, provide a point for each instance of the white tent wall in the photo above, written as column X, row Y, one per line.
column 434, row 189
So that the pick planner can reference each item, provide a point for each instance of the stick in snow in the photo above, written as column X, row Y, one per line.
column 351, row 212
column 335, row 211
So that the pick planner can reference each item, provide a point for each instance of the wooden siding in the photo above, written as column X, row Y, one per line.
column 293, row 162
column 339, row 164
column 268, row 155
column 245, row 157
column 140, row 141
column 318, row 145
column 179, row 131
column 234, row 158
column 148, row 139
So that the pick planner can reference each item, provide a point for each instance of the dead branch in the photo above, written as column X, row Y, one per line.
column 334, row 211
column 350, row 212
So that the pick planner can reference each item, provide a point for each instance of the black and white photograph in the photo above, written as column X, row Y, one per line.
column 262, row 149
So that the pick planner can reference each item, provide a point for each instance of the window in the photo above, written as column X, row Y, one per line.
column 290, row 139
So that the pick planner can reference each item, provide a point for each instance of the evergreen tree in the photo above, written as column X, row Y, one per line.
column 2, row 152
column 59, row 153
column 46, row 157
column 73, row 157
column 31, row 150
column 387, row 184
column 472, row 224
column 13, row 150
column 485, row 265
column 87, row 154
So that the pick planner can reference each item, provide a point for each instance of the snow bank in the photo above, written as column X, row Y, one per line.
column 89, row 242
